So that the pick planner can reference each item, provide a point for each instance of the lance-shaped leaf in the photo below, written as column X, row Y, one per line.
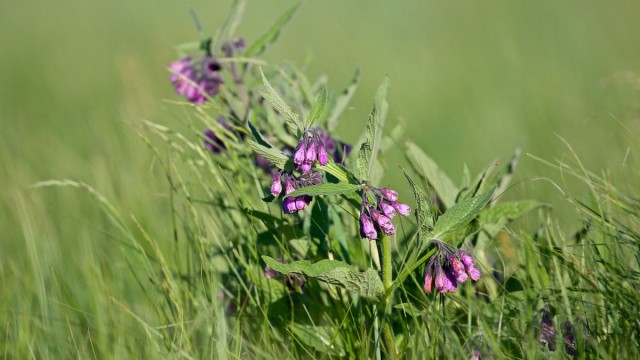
column 343, row 101
column 366, row 284
column 457, row 216
column 326, row 189
column 280, row 106
column 369, row 149
column 429, row 170
column 423, row 211
column 256, row 135
column 275, row 156
column 318, row 108
column 272, row 35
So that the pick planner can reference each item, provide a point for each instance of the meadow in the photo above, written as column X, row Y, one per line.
column 141, row 244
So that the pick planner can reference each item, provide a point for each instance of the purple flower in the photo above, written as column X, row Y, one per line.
column 380, row 208
column 448, row 268
column 402, row 209
column 389, row 194
column 276, row 186
column 196, row 80
column 367, row 229
column 387, row 209
column 292, row 183
column 547, row 333
column 569, row 338
column 310, row 148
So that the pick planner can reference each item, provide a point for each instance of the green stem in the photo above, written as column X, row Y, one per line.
column 387, row 280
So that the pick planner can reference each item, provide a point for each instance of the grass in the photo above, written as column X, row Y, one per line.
column 113, row 272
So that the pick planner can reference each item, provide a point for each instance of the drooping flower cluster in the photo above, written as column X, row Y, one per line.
column 310, row 148
column 378, row 207
column 197, row 80
column 292, row 183
column 447, row 268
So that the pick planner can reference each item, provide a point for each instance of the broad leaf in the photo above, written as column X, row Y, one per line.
column 343, row 101
column 280, row 106
column 366, row 284
column 337, row 170
column 318, row 108
column 326, row 189
column 429, row 170
column 275, row 156
column 459, row 215
column 368, row 153
column 272, row 35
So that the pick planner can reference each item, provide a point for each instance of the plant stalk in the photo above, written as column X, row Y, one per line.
column 387, row 281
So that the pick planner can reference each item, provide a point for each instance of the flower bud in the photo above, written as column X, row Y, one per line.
column 403, row 209
column 288, row 186
column 322, row 155
column 299, row 155
column 300, row 203
column 457, row 269
column 386, row 225
column 367, row 229
column 276, row 186
column 289, row 205
column 306, row 166
column 474, row 273
column 428, row 281
column 389, row 194
column 387, row 209
column 310, row 155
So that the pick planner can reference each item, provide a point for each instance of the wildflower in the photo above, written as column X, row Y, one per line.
column 547, row 333
column 447, row 268
column 310, row 149
column 292, row 183
column 196, row 80
column 569, row 338
column 377, row 211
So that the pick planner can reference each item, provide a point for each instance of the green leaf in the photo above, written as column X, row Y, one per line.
column 367, row 156
column 280, row 106
column 423, row 210
column 366, row 284
column 459, row 215
column 337, row 170
column 429, row 170
column 274, row 156
column 343, row 101
column 326, row 189
column 272, row 35
column 318, row 108
column 493, row 219
column 256, row 134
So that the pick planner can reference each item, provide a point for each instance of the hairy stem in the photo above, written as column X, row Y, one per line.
column 387, row 280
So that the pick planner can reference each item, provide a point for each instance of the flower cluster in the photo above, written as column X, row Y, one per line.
column 310, row 149
column 448, row 267
column 196, row 80
column 547, row 332
column 292, row 183
column 378, row 207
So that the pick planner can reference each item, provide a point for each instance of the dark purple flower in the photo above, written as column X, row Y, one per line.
column 569, row 338
column 292, row 183
column 547, row 333
column 196, row 80
column 367, row 229
column 212, row 141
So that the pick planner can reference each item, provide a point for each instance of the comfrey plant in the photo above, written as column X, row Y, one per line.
column 318, row 196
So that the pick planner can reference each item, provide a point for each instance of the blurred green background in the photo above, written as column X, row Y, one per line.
column 472, row 81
